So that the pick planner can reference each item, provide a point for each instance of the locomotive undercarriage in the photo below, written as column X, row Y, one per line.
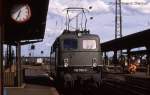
column 82, row 78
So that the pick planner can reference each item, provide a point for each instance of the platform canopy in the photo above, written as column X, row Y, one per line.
column 139, row 52
column 135, row 40
column 32, row 29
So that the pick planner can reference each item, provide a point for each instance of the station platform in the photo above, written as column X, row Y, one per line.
column 36, row 82
column 31, row 89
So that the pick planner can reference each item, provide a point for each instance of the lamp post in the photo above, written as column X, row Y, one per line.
column 1, row 44
column 18, row 65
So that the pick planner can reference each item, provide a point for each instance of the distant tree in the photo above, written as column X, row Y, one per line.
column 42, row 52
column 90, row 7
column 32, row 47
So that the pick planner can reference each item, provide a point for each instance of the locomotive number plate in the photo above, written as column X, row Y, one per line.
column 80, row 70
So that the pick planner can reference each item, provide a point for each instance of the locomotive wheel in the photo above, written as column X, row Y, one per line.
column 68, row 84
column 98, row 84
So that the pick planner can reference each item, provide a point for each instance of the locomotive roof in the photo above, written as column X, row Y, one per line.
column 76, row 32
column 70, row 34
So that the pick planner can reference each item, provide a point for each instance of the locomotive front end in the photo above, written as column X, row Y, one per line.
column 81, row 59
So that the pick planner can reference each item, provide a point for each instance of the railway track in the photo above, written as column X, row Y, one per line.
column 126, row 87
column 85, row 91
column 110, row 86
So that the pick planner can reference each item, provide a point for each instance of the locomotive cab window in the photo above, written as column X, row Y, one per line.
column 89, row 44
column 70, row 44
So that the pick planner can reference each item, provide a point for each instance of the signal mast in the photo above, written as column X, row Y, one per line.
column 118, row 24
column 118, row 20
column 118, row 29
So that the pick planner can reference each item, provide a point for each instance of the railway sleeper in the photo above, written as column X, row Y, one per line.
column 128, row 89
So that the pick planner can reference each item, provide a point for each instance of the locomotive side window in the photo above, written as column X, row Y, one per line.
column 70, row 44
column 89, row 44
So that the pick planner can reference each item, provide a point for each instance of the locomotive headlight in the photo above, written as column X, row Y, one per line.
column 94, row 64
column 66, row 60
column 65, row 64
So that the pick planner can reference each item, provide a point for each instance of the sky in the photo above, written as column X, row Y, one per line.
column 135, row 18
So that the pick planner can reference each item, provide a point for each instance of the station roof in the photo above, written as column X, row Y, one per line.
column 140, row 52
column 135, row 40
column 30, row 30
column 14, row 43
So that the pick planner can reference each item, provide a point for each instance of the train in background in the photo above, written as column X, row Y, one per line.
column 75, row 58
